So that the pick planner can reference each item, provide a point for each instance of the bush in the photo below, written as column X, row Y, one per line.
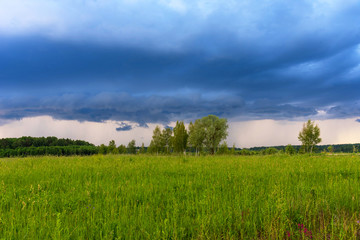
column 270, row 151
column 245, row 152
column 290, row 150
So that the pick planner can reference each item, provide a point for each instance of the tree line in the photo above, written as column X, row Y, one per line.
column 51, row 150
column 203, row 136
column 206, row 136
column 22, row 142
column 299, row 149
column 36, row 146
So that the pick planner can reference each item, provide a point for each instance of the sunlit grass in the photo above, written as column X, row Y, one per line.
column 149, row 197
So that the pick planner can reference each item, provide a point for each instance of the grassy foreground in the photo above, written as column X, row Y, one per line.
column 148, row 197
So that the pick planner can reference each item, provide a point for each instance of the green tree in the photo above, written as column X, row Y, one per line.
column 289, row 149
column 355, row 149
column 156, row 142
column 309, row 136
column 102, row 149
column 196, row 135
column 122, row 149
column 223, row 149
column 166, row 139
column 180, row 137
column 112, row 147
column 131, row 148
column 115, row 151
column 270, row 151
column 151, row 149
column 245, row 151
column 302, row 149
column 142, row 149
column 330, row 149
column 215, row 130
column 233, row 150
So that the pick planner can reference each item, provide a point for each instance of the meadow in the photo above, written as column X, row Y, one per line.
column 177, row 197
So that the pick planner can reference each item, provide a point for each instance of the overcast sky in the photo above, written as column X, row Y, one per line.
column 125, row 66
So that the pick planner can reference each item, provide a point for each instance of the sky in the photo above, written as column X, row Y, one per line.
column 114, row 69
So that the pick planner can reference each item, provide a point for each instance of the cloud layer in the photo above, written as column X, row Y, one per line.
column 159, row 61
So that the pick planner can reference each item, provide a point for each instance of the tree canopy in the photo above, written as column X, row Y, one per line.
column 196, row 135
column 215, row 130
column 156, row 142
column 309, row 136
column 206, row 132
column 180, row 137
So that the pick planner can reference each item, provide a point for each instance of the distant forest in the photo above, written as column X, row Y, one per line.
column 37, row 146
column 336, row 148
column 32, row 146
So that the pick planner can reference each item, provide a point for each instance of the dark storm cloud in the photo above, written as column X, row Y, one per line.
column 124, row 127
column 246, row 61
column 345, row 110
column 127, row 127
column 120, row 107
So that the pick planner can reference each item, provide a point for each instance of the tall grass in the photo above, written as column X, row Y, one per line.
column 149, row 197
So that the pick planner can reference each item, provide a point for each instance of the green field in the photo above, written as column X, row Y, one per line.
column 149, row 197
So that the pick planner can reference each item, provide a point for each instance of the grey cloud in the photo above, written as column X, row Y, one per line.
column 124, row 127
column 280, row 60
column 142, row 124
column 345, row 110
column 127, row 127
column 281, row 111
column 145, row 109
